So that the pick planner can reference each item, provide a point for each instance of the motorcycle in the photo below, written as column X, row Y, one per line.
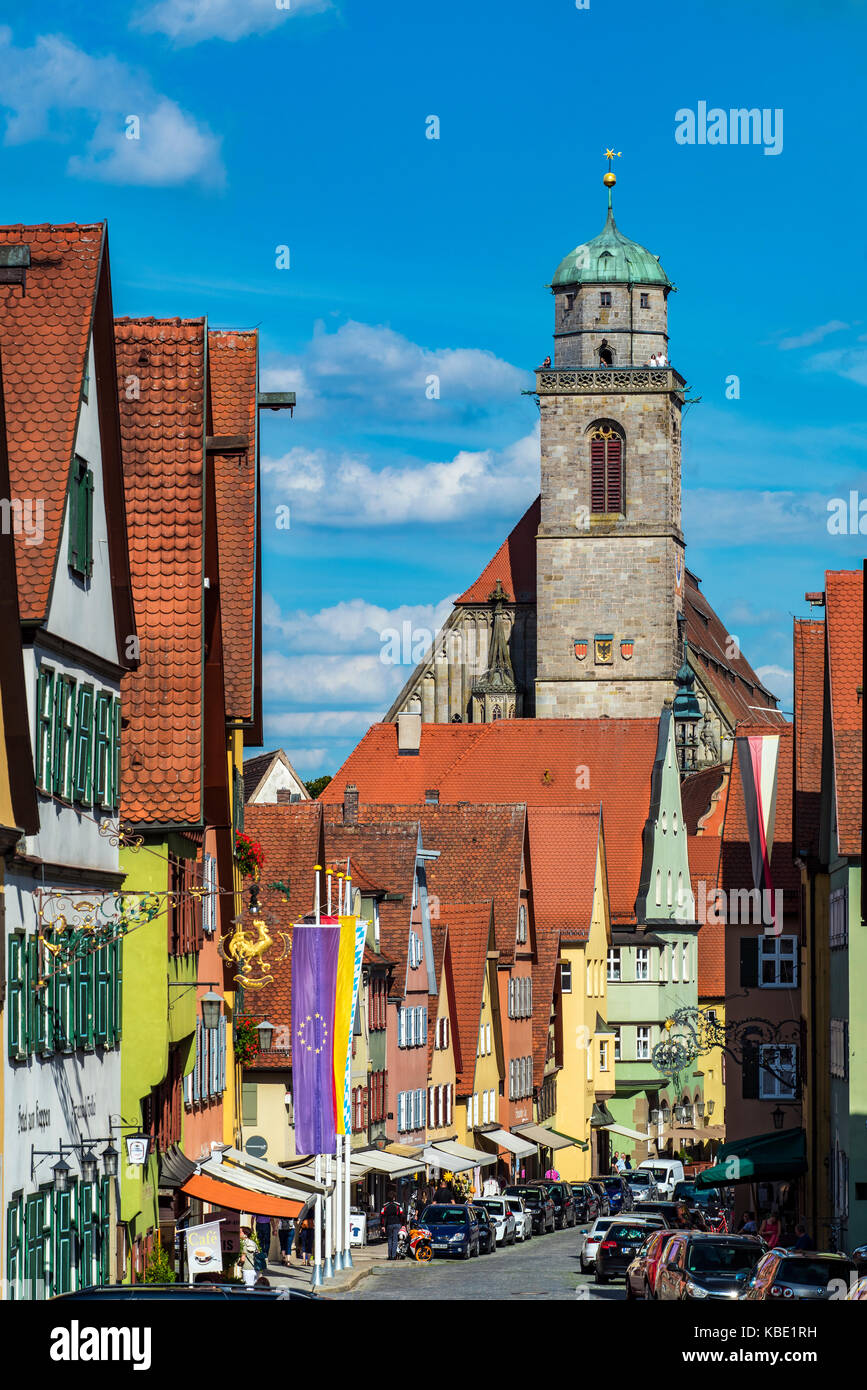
column 415, row 1242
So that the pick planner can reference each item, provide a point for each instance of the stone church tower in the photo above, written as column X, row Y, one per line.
column 609, row 549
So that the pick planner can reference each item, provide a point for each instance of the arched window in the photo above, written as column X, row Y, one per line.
column 668, row 890
column 659, row 888
column 606, row 469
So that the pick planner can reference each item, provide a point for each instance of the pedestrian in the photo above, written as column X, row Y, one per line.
column 748, row 1224
column 770, row 1230
column 286, row 1236
column 627, row 1163
column 442, row 1196
column 392, row 1219
column 621, row 1163
column 802, row 1241
column 263, row 1234
column 491, row 1187
column 304, row 1238
column 247, row 1257
column 263, row 1282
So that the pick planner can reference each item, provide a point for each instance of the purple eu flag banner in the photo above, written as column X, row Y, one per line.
column 314, row 986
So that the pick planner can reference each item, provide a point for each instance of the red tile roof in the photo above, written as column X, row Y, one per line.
column 162, row 426
column 470, row 927
column 843, row 607
column 481, row 851
column 386, row 848
column 514, row 563
column 44, row 337
column 730, row 679
column 292, row 844
column 699, row 792
column 234, row 377
column 544, row 981
column 809, row 672
column 544, row 762
column 564, row 848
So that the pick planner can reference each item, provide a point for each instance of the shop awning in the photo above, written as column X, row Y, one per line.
column 435, row 1158
column 548, row 1138
column 238, row 1198
column 450, row 1150
column 379, row 1161
column 515, row 1144
column 628, row 1133
column 236, row 1158
column 408, row 1151
column 761, row 1158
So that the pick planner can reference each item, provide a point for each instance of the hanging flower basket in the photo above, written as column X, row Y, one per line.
column 246, row 1040
column 248, row 856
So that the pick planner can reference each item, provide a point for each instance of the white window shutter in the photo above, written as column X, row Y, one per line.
column 400, row 1107
column 488, row 1037
column 401, row 1027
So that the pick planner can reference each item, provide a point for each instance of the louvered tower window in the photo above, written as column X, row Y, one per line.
column 606, row 471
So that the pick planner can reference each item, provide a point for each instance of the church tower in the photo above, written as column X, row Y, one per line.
column 609, row 548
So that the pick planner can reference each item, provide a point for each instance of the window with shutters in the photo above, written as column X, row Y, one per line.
column 14, row 1249
column 62, row 1008
column 103, row 758
column 86, row 1235
column 838, row 918
column 63, row 1254
column 778, row 962
column 83, row 776
column 565, row 977
column 102, row 994
column 37, row 1228
column 64, row 736
column 249, row 1103
column 778, row 1071
column 44, row 727
column 115, row 752
column 104, row 1251
column 82, row 983
column 80, row 551
column 606, row 470
column 185, row 934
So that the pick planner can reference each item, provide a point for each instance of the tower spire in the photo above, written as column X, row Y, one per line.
column 610, row 178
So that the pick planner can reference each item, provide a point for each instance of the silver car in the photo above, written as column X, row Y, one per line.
column 591, row 1238
column 501, row 1217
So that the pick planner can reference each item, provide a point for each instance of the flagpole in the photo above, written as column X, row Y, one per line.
column 328, row 881
column 328, row 1272
column 338, row 1205
column 347, row 1199
column 317, row 871
column 316, row 1281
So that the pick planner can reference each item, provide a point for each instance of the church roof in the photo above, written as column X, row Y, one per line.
column 610, row 258
column 514, row 563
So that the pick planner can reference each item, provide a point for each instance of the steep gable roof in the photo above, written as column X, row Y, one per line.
column 843, row 607
column 162, row 425
column 292, row 843
column 809, row 685
column 45, row 332
column 257, row 769
column 729, row 677
column 386, row 847
column 233, row 373
column 564, row 849
column 514, row 563
column 470, row 931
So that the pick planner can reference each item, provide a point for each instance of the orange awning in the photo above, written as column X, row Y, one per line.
column 229, row 1194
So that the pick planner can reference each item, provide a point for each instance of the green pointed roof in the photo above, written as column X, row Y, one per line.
column 610, row 258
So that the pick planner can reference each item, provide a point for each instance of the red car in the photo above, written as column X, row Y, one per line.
column 641, row 1274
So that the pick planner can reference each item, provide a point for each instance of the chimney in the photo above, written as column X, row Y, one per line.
column 350, row 805
column 432, row 796
column 284, row 796
column 408, row 733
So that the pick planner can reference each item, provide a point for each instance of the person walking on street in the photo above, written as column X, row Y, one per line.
column 442, row 1194
column 247, row 1257
column 627, row 1163
column 305, row 1238
column 392, row 1219
column 263, row 1234
column 286, row 1235
column 802, row 1241
column 770, row 1230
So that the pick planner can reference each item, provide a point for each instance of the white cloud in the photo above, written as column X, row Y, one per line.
column 738, row 517
column 330, row 680
column 780, row 680
column 56, row 90
column 323, row 723
column 847, row 362
column 350, row 626
column 812, row 335
column 384, row 374
column 341, row 490
column 191, row 21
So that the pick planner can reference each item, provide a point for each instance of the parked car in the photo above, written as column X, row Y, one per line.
column 859, row 1259
column 564, row 1203
column 588, row 1204
column 619, row 1193
column 455, row 1230
column 181, row 1293
column 503, row 1219
column 602, row 1193
column 539, row 1205
column 618, row 1247
column 666, row 1172
column 590, row 1242
column 708, row 1198
column 487, row 1233
column 641, row 1274
column 642, row 1184
column 677, row 1214
column 699, row 1265
column 858, row 1292
column 800, row 1274
column 523, row 1217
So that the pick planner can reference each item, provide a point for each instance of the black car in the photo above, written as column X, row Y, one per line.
column 587, row 1202
column 599, row 1188
column 701, row 1265
column 678, row 1215
column 619, row 1193
column 560, row 1193
column 618, row 1248
column 539, row 1204
column 487, row 1234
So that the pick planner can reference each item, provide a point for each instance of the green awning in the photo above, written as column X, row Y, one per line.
column 761, row 1158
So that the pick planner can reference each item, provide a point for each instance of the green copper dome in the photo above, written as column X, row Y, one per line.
column 610, row 258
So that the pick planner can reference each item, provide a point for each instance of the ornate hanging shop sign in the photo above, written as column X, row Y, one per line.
column 247, row 950
column 72, row 928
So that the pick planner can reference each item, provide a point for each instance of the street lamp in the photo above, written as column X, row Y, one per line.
column 709, row 1105
column 88, row 1167
column 61, row 1174
column 777, row 1116
column 109, row 1160
column 654, row 1117
column 266, row 1035
column 137, row 1149
column 212, row 1007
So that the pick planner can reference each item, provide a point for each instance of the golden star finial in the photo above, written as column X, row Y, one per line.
column 613, row 154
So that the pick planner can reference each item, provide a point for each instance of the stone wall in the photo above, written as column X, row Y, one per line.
column 634, row 334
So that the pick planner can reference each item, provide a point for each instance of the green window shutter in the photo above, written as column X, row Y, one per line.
column 115, row 753
column 249, row 1109
column 102, row 751
column 86, row 1244
column 13, row 1247
column 34, row 1247
column 64, row 736
column 16, row 1004
column 84, row 745
column 62, row 1008
column 56, row 725
column 44, row 716
column 63, row 1238
column 116, row 996
column 104, row 1231
column 80, row 553
column 102, row 967
column 83, row 985
column 88, row 524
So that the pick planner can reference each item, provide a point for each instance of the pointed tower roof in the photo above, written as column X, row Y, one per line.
column 610, row 258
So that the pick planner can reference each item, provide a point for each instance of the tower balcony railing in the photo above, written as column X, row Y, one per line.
column 587, row 381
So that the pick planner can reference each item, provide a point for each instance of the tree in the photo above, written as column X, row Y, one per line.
column 317, row 785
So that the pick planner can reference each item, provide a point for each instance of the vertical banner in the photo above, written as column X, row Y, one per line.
column 758, row 755
column 314, row 985
column 204, row 1250
column 352, row 937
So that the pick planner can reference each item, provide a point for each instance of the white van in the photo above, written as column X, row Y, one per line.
column 666, row 1172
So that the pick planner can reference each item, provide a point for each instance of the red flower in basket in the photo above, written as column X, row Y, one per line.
column 248, row 855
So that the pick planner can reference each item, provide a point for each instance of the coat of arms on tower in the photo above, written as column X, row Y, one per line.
column 604, row 648
column 581, row 645
column 627, row 647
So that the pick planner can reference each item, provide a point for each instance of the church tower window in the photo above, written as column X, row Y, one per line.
column 605, row 299
column 606, row 470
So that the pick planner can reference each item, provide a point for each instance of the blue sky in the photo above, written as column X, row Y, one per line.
column 263, row 127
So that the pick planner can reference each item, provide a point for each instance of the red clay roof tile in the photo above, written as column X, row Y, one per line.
column 843, row 608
